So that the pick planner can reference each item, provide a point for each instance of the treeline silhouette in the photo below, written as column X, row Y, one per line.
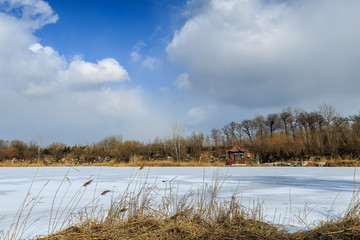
column 288, row 135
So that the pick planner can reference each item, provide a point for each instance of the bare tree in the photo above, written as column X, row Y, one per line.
column 39, row 146
column 207, row 142
column 229, row 131
column 259, row 125
column 215, row 136
column 177, row 129
column 286, row 117
column 294, row 124
column 319, row 119
column 247, row 126
column 238, row 128
column 195, row 143
column 301, row 119
column 312, row 119
column 272, row 122
column 328, row 111
column 234, row 137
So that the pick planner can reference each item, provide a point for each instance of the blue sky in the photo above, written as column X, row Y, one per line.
column 109, row 28
column 78, row 71
column 100, row 29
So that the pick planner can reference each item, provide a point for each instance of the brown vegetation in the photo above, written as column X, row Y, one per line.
column 147, row 228
column 237, row 228
column 113, row 163
column 291, row 135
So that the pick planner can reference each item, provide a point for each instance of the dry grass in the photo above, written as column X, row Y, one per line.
column 169, row 163
column 156, row 163
column 147, row 228
column 188, row 225
column 333, row 162
column 146, row 211
column 346, row 228
column 342, row 163
column 329, row 162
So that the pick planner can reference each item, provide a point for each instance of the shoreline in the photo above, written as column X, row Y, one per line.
column 170, row 163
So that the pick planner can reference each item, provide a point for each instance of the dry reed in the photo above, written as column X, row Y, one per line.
column 142, row 163
column 145, row 210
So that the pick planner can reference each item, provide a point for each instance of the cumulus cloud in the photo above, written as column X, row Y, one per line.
column 106, row 70
column 80, row 74
column 71, row 101
column 255, row 53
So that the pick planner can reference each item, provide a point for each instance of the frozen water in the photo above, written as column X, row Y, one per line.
column 297, row 197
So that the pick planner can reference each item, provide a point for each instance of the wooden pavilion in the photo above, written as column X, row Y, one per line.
column 236, row 155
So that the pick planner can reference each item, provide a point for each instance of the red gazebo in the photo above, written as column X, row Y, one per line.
column 236, row 155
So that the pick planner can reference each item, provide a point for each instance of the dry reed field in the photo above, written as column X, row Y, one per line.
column 329, row 162
column 144, row 212
column 143, row 163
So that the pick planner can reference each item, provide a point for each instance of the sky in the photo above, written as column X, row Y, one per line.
column 79, row 71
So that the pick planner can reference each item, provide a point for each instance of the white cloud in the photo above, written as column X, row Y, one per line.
column 182, row 81
column 71, row 101
column 38, row 48
column 255, row 53
column 78, row 73
column 106, row 70
column 33, row 13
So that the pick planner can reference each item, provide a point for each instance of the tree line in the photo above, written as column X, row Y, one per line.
column 295, row 133
column 287, row 135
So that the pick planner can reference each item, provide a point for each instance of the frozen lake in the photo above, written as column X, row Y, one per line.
column 293, row 196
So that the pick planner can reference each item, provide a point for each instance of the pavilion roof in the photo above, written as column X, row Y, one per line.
column 236, row 148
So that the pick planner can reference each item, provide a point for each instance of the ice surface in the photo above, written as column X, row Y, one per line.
column 297, row 197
